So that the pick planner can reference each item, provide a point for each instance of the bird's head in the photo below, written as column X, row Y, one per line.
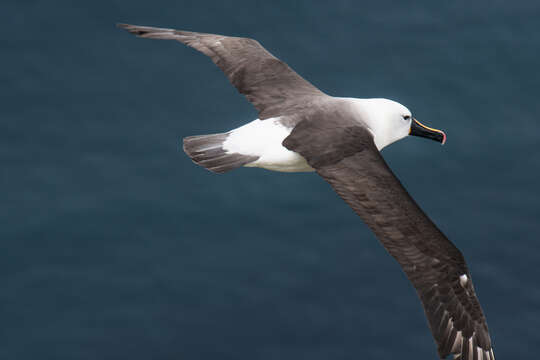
column 390, row 121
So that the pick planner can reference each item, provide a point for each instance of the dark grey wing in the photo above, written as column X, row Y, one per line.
column 267, row 82
column 345, row 156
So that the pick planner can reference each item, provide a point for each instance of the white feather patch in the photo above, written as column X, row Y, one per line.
column 264, row 139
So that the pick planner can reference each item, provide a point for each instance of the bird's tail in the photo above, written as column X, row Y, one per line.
column 207, row 151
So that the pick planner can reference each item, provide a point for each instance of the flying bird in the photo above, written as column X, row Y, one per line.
column 300, row 128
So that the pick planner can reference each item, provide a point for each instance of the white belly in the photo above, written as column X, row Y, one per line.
column 263, row 138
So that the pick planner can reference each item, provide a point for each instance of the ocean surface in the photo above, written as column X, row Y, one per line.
column 114, row 245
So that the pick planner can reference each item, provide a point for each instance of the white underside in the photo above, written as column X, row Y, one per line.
column 263, row 138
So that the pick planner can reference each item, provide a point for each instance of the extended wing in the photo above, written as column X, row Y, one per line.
column 267, row 82
column 344, row 154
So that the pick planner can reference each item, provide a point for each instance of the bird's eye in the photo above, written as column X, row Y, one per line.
column 406, row 117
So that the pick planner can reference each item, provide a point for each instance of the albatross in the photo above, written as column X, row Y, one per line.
column 300, row 128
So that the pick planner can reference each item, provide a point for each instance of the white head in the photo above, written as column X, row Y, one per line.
column 389, row 121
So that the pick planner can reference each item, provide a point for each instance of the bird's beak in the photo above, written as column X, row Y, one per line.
column 419, row 129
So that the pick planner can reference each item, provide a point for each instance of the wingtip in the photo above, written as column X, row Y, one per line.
column 133, row 29
column 147, row 31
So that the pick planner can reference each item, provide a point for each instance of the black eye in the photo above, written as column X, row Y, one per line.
column 407, row 117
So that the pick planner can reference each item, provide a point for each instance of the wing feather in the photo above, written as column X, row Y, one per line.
column 267, row 82
column 346, row 157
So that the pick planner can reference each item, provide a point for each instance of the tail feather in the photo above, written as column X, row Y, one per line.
column 207, row 151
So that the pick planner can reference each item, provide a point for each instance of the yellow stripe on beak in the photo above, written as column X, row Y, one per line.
column 419, row 129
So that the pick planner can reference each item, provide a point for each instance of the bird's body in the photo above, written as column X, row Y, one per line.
column 263, row 139
column 301, row 128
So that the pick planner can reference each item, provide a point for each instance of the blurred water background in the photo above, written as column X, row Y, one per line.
column 113, row 245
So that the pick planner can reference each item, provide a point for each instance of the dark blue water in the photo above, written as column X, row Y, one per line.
column 115, row 246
